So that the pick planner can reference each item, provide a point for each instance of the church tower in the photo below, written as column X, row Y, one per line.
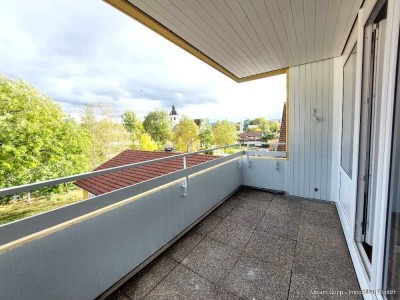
column 174, row 117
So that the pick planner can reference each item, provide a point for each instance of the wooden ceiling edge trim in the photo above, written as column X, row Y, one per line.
column 134, row 12
column 263, row 75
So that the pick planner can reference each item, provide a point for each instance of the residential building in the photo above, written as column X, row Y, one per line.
column 251, row 136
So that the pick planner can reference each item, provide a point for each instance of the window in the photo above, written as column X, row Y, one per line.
column 349, row 79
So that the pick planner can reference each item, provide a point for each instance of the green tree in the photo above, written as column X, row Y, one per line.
column 132, row 123
column 186, row 135
column 206, row 135
column 108, row 137
column 158, row 125
column 225, row 133
column 37, row 141
column 262, row 123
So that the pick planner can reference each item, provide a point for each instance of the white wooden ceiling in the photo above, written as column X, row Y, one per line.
column 249, row 37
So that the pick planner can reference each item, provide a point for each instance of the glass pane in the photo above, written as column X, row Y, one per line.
column 349, row 79
column 392, row 260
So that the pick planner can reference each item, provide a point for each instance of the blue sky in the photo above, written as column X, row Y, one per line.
column 85, row 51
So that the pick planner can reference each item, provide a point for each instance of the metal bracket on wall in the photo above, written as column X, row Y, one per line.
column 239, row 162
column 185, row 183
column 248, row 161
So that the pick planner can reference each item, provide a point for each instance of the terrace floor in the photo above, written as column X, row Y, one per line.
column 256, row 245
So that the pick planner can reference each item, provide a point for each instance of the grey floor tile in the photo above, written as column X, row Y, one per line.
column 254, row 203
column 143, row 282
column 304, row 287
column 182, row 247
column 330, row 265
column 231, row 233
column 319, row 206
column 272, row 248
column 211, row 259
column 251, row 278
column 284, row 224
column 224, row 209
column 183, row 283
column 118, row 295
column 322, row 237
column 282, row 204
column 260, row 195
column 208, row 224
column 320, row 219
column 247, row 216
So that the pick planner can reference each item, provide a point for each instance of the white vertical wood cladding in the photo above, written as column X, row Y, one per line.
column 255, row 36
column 310, row 139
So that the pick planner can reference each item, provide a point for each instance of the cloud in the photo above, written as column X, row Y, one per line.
column 80, row 52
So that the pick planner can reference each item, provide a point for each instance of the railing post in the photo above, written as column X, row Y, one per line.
column 186, row 181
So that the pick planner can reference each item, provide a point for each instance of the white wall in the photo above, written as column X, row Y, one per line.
column 265, row 173
column 310, row 140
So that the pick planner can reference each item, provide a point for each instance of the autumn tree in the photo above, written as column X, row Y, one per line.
column 158, row 125
column 185, row 135
column 225, row 133
column 37, row 140
column 108, row 136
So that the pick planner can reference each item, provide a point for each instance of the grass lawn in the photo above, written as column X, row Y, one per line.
column 16, row 210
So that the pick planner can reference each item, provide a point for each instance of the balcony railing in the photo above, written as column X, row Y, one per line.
column 114, row 233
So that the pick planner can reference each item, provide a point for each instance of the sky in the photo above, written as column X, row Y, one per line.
column 85, row 51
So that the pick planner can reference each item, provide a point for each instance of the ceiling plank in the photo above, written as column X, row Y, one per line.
column 249, row 29
column 266, row 21
column 288, row 22
column 276, row 17
column 309, row 15
column 331, row 20
column 251, row 13
column 320, row 22
column 193, row 12
column 344, row 14
column 299, row 22
column 231, row 34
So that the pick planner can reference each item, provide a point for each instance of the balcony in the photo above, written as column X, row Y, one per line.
column 256, row 245
column 199, row 232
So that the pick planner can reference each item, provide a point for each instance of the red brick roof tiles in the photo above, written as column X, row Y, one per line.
column 282, row 136
column 113, row 181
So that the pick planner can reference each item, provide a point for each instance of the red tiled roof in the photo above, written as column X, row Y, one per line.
column 249, row 134
column 282, row 135
column 113, row 181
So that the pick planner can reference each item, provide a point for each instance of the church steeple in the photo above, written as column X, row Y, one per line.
column 173, row 111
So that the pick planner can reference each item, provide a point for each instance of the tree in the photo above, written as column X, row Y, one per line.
column 132, row 123
column 158, row 125
column 225, row 133
column 144, row 142
column 108, row 137
column 186, row 135
column 37, row 141
column 206, row 135
column 262, row 123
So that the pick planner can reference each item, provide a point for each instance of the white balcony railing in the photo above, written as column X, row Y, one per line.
column 81, row 250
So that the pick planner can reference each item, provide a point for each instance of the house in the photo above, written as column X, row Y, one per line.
column 99, row 185
column 174, row 117
column 220, row 229
column 251, row 136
